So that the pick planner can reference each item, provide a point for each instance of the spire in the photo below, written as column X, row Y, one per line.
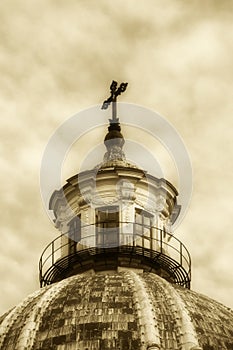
column 114, row 140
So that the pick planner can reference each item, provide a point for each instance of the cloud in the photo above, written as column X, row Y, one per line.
column 58, row 58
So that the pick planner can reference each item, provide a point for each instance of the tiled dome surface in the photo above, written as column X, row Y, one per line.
column 125, row 310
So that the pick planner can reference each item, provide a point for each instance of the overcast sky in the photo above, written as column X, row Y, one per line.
column 59, row 57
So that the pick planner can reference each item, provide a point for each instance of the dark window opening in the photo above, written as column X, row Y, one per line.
column 107, row 227
column 143, row 228
column 74, row 233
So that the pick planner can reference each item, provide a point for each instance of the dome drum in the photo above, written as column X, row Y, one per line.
column 115, row 211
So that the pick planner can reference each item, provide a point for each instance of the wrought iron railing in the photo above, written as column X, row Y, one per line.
column 155, row 246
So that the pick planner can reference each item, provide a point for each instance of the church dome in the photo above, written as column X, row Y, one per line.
column 116, row 278
column 122, row 310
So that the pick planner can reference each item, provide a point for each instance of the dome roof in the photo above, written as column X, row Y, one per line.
column 123, row 310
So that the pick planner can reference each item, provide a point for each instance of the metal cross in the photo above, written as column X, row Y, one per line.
column 113, row 98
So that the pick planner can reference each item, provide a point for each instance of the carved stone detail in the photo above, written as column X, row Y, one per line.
column 114, row 153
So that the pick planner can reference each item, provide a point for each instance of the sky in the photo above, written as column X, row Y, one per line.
column 58, row 58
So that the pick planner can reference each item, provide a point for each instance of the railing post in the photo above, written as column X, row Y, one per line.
column 134, row 234
column 52, row 252
column 181, row 254
column 161, row 241
column 40, row 272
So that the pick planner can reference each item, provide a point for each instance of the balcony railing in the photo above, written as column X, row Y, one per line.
column 127, row 245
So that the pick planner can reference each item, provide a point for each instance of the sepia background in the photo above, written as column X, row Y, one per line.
column 59, row 57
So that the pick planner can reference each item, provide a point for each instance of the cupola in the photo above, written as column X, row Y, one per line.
column 115, row 216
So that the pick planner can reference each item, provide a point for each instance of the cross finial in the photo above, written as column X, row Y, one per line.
column 115, row 91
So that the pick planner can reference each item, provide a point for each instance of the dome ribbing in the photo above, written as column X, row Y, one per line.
column 125, row 310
